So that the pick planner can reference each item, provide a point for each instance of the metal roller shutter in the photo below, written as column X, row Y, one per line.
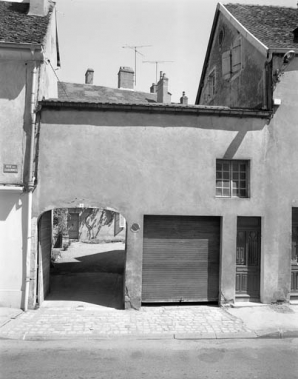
column 181, row 258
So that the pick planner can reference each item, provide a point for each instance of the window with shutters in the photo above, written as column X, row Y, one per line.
column 232, row 60
column 232, row 178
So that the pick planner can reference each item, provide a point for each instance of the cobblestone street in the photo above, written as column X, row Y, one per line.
column 86, row 321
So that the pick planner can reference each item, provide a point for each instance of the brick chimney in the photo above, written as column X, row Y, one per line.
column 163, row 96
column 126, row 78
column 38, row 8
column 184, row 99
column 89, row 76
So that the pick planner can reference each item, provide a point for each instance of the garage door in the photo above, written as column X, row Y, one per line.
column 181, row 258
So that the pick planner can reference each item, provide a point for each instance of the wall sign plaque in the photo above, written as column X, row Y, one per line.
column 10, row 168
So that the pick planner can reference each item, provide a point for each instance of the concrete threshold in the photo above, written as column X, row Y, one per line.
column 247, row 304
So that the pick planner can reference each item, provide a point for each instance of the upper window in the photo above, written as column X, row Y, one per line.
column 232, row 178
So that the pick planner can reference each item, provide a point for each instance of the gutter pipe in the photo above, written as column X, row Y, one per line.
column 30, row 186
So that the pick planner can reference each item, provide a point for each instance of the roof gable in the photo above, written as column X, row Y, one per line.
column 88, row 93
column 17, row 27
column 272, row 25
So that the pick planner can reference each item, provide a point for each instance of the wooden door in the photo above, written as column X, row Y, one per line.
column 248, row 258
column 73, row 226
column 44, row 255
column 294, row 260
column 181, row 259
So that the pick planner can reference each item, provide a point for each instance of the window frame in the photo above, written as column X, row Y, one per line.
column 211, row 87
column 228, row 175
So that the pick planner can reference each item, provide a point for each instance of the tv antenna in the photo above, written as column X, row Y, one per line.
column 156, row 65
column 135, row 48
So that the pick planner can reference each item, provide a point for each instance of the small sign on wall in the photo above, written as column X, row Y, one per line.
column 10, row 168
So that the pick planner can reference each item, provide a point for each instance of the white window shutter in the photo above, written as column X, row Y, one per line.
column 226, row 64
column 236, row 56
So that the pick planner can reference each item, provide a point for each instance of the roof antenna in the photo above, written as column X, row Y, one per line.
column 156, row 65
column 136, row 51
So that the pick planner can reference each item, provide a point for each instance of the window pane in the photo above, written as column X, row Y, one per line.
column 226, row 184
column 218, row 166
column 218, row 192
column 243, row 167
column 243, row 193
column 226, row 175
column 235, row 184
column 226, row 167
column 242, row 184
column 235, row 175
column 243, row 175
column 226, row 192
column 218, row 175
column 235, row 166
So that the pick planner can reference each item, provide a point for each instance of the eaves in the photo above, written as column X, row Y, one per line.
column 176, row 109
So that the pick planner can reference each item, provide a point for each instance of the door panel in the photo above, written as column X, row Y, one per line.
column 248, row 258
column 73, row 226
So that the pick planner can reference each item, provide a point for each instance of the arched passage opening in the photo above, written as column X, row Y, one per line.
column 81, row 257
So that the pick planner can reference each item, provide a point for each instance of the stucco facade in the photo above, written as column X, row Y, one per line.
column 165, row 165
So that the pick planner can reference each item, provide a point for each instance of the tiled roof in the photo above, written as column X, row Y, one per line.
column 17, row 27
column 88, row 93
column 272, row 25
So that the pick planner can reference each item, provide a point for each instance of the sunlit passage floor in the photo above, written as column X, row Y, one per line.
column 88, row 274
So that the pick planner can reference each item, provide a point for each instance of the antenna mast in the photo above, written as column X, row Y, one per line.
column 136, row 51
column 156, row 65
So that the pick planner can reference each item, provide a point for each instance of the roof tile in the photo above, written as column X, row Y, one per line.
column 17, row 27
column 272, row 25
column 75, row 92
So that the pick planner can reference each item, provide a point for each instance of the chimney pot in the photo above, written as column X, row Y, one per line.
column 184, row 99
column 163, row 96
column 89, row 76
column 126, row 77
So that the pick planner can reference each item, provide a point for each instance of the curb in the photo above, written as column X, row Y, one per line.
column 280, row 334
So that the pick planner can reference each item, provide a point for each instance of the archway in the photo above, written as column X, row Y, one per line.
column 81, row 257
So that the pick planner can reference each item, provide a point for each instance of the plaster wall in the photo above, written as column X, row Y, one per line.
column 282, row 176
column 152, row 164
column 12, row 118
column 243, row 89
column 13, row 229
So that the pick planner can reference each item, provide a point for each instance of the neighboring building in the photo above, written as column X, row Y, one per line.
column 95, row 225
column 251, row 63
column 28, row 57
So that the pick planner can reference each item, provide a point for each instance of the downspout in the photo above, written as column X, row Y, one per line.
column 30, row 185
column 268, row 85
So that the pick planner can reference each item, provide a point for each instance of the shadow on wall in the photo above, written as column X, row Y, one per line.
column 89, row 118
column 110, row 262
column 11, row 89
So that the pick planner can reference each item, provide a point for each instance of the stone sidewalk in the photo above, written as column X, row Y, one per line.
column 83, row 321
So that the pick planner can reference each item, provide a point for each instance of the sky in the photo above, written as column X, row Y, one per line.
column 93, row 33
